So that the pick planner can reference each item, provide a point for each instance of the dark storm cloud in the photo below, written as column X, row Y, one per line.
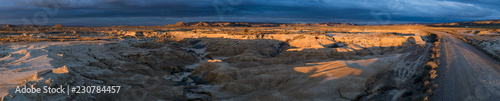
column 158, row 12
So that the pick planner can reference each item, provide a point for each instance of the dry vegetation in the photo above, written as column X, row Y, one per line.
column 429, row 73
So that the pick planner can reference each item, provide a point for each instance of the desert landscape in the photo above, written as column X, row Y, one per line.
column 253, row 61
column 249, row 50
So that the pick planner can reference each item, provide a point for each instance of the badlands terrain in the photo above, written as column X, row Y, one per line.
column 254, row 61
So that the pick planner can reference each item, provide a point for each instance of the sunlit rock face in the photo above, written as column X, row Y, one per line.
column 212, row 63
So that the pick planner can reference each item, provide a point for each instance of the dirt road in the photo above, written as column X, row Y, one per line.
column 465, row 73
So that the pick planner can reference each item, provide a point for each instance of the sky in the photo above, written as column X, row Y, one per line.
column 162, row 12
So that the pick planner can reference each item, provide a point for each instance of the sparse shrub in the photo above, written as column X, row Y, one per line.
column 432, row 72
column 433, row 76
column 245, row 30
column 426, row 83
column 432, row 65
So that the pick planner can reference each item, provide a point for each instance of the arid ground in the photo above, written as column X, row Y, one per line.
column 254, row 61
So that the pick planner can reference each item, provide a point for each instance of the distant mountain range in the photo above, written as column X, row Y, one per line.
column 484, row 23
column 253, row 24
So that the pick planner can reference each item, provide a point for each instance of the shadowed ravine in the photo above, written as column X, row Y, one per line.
column 195, row 66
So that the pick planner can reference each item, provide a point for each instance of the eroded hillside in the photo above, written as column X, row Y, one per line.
column 221, row 63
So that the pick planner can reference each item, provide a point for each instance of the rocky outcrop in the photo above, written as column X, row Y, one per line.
column 57, row 26
column 201, row 24
column 199, row 66
column 179, row 24
column 299, row 46
column 152, row 69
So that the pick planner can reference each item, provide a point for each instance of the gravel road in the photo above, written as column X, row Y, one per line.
column 465, row 73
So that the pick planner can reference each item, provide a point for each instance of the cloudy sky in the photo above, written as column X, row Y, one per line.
column 161, row 12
